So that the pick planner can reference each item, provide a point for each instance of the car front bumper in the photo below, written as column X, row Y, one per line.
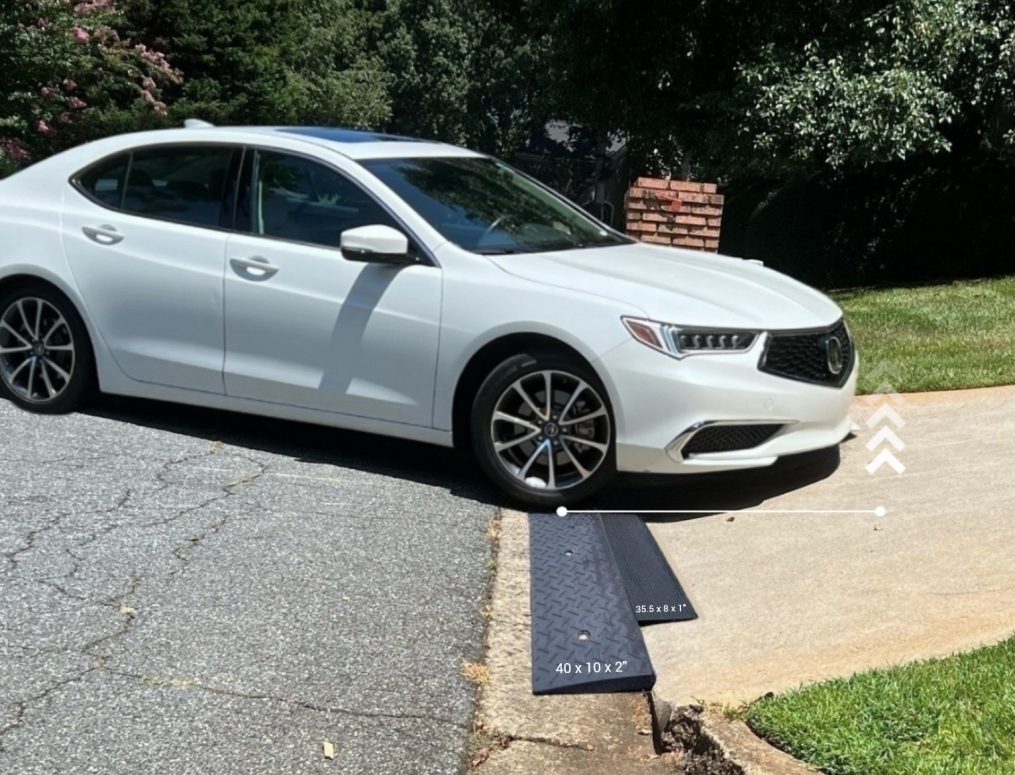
column 658, row 402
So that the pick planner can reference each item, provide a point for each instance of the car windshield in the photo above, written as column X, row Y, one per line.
column 485, row 206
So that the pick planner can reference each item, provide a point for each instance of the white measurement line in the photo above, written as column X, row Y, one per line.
column 880, row 511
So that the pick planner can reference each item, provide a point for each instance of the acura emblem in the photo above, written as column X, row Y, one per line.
column 833, row 355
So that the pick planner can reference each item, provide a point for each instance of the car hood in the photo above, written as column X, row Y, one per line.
column 685, row 287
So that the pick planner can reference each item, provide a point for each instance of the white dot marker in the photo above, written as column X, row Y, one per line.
column 561, row 511
column 880, row 511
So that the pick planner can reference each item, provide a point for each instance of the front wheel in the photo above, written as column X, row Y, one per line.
column 46, row 361
column 542, row 429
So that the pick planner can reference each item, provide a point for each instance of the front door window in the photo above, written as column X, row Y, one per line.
column 299, row 200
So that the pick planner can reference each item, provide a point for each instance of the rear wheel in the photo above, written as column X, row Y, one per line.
column 46, row 362
column 542, row 429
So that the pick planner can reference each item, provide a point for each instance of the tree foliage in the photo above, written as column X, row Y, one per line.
column 267, row 61
column 721, row 87
column 737, row 87
column 855, row 86
column 67, row 73
column 458, row 70
column 610, row 69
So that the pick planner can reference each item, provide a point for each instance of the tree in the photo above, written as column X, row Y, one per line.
column 612, row 70
column 730, row 87
column 460, row 71
column 267, row 61
column 850, row 86
column 68, row 73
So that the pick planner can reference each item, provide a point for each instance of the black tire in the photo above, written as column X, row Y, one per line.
column 535, row 491
column 78, row 363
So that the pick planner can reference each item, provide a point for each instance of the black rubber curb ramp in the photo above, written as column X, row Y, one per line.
column 584, row 634
column 652, row 588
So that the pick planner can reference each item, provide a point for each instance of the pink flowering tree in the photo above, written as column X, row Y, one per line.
column 67, row 74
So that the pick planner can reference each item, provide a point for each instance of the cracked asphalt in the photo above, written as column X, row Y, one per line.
column 187, row 591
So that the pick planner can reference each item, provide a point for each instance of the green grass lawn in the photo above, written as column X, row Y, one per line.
column 939, row 337
column 953, row 716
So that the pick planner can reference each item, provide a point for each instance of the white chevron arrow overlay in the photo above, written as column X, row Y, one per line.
column 883, row 435
column 885, row 412
column 889, row 393
column 884, row 369
column 885, row 456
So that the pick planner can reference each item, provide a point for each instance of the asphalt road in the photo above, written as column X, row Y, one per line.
column 185, row 591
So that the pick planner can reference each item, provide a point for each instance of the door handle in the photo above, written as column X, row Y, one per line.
column 256, row 268
column 104, row 235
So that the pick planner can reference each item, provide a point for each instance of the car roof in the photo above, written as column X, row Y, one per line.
column 354, row 143
column 351, row 143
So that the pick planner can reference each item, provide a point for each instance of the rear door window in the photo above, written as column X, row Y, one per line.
column 189, row 184
column 185, row 184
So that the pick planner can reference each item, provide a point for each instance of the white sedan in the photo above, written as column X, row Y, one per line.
column 406, row 288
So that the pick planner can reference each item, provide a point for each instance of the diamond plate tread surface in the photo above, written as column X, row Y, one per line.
column 584, row 634
column 652, row 587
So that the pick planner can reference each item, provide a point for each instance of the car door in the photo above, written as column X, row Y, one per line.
column 144, row 233
column 306, row 327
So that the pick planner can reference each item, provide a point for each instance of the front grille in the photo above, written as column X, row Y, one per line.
column 805, row 356
column 726, row 438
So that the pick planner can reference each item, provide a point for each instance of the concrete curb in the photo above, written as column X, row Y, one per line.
column 725, row 746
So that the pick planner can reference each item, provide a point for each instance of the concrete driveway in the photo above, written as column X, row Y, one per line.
column 786, row 599
column 184, row 591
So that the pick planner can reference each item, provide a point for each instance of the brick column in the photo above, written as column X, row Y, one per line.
column 678, row 213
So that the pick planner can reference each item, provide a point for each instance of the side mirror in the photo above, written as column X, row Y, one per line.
column 376, row 244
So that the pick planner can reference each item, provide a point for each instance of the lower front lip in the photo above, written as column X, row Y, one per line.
column 657, row 398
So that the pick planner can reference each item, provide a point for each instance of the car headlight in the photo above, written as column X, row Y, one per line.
column 679, row 341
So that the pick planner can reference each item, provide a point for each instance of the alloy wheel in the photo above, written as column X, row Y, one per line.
column 551, row 430
column 37, row 356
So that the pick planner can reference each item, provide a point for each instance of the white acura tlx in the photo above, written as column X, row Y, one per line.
column 406, row 288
